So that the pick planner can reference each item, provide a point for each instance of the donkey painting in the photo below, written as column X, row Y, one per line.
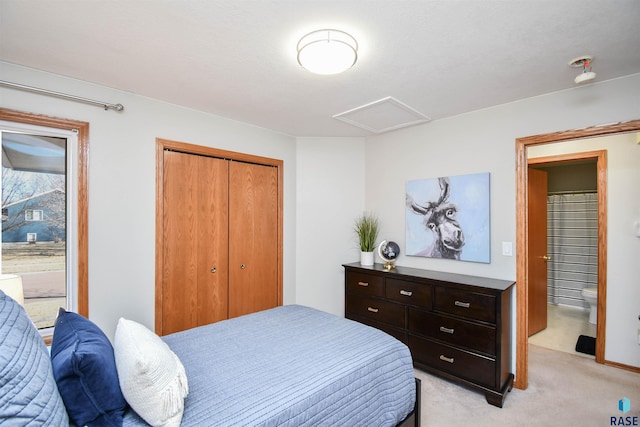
column 440, row 218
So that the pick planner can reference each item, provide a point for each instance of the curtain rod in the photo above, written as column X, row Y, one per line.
column 105, row 105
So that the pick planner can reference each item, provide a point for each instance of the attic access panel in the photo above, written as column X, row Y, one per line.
column 381, row 116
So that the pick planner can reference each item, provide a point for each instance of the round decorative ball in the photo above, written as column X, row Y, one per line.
column 388, row 251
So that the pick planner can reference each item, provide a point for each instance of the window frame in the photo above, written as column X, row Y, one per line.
column 81, row 129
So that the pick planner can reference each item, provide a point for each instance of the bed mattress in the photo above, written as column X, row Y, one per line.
column 292, row 366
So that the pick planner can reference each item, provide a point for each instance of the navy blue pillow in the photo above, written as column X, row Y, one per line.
column 85, row 370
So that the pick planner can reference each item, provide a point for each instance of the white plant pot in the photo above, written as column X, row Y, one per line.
column 366, row 258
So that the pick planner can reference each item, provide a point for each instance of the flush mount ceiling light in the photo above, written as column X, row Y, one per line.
column 584, row 62
column 327, row 51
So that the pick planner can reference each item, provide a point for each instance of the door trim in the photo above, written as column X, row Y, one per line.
column 164, row 144
column 522, row 349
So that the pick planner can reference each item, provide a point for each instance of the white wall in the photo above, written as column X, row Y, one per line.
column 122, row 174
column 334, row 179
column 330, row 195
column 484, row 141
column 623, row 246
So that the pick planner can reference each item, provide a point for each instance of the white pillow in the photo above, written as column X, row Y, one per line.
column 152, row 378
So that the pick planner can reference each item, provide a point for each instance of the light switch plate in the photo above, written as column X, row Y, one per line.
column 507, row 248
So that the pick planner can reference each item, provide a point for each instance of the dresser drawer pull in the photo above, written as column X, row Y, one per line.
column 462, row 304
column 447, row 330
column 446, row 359
column 373, row 310
column 406, row 293
column 363, row 283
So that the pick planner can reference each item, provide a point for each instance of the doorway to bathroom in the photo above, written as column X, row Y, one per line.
column 619, row 139
column 563, row 298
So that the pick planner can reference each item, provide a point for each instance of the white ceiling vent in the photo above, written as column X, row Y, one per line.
column 383, row 115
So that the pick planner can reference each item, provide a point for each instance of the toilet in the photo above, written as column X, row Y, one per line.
column 590, row 295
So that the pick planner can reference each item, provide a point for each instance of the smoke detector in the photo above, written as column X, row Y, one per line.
column 583, row 62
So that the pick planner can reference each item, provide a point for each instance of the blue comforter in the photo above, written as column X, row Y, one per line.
column 292, row 366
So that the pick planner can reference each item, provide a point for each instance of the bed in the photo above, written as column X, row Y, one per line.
column 288, row 366
column 293, row 366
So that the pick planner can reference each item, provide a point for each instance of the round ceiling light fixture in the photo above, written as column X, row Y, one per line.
column 327, row 51
column 584, row 62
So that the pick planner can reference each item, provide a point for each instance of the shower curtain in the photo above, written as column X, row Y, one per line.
column 572, row 229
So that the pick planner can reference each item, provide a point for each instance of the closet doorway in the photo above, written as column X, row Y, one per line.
column 218, row 235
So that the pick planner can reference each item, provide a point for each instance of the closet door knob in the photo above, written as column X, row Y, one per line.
column 242, row 266
column 214, row 269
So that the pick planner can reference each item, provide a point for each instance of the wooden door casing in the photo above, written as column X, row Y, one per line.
column 522, row 161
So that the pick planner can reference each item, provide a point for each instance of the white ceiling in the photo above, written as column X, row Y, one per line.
column 237, row 58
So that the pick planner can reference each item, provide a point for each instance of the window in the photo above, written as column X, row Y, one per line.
column 33, row 215
column 58, row 184
column 34, row 173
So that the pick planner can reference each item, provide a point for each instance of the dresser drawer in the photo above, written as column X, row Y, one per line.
column 363, row 283
column 467, row 304
column 376, row 310
column 458, row 332
column 460, row 363
column 408, row 292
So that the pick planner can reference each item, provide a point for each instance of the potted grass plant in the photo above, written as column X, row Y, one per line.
column 366, row 229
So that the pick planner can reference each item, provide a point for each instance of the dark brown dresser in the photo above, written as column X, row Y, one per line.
column 457, row 326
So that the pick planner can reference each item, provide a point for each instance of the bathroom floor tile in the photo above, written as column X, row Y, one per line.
column 564, row 326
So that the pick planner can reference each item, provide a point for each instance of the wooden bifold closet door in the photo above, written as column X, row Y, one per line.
column 219, row 243
column 253, row 260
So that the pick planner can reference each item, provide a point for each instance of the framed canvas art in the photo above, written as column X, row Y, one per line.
column 448, row 217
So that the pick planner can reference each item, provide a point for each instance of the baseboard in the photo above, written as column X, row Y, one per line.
column 622, row 366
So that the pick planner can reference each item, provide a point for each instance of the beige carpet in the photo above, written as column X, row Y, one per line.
column 564, row 390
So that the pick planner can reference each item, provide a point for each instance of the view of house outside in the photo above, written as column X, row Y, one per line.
column 34, row 238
